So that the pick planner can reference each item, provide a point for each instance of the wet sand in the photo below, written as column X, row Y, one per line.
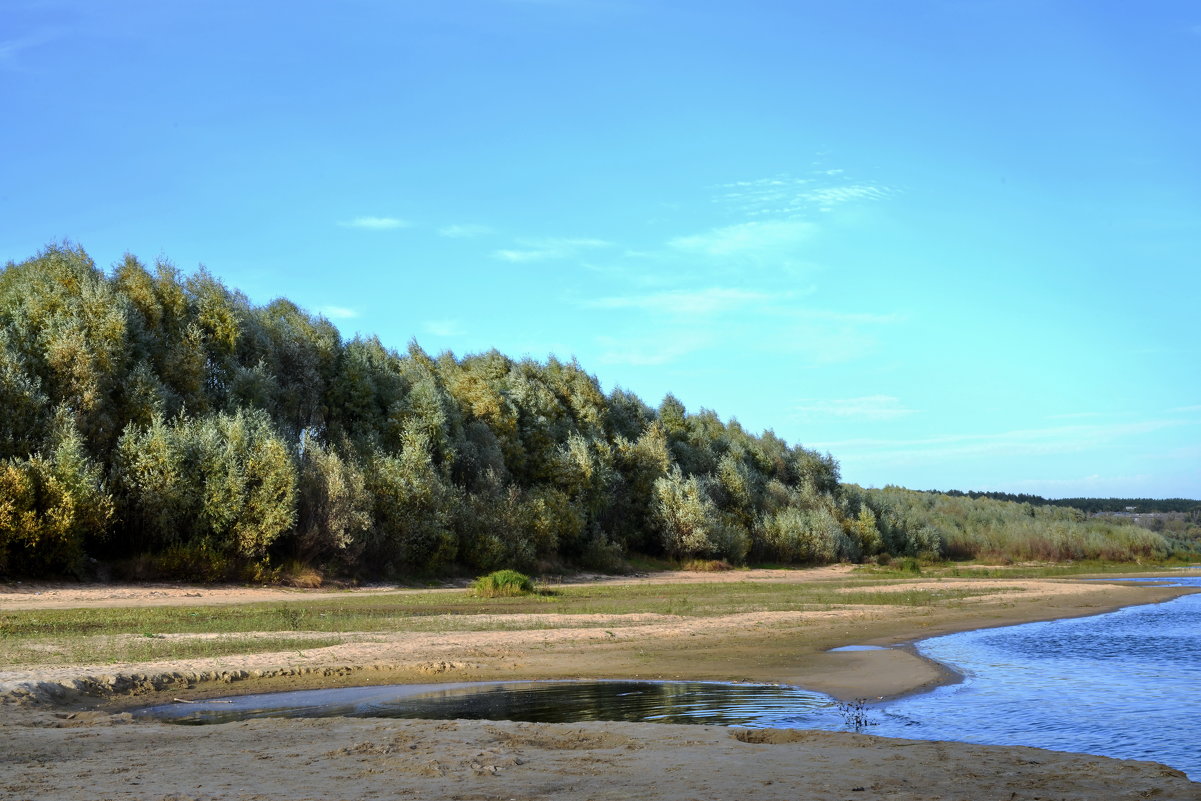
column 70, row 739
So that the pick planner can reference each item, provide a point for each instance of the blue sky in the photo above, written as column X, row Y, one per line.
column 956, row 244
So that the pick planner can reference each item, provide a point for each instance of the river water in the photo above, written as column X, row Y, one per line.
column 1125, row 684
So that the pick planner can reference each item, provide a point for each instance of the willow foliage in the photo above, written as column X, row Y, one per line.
column 150, row 412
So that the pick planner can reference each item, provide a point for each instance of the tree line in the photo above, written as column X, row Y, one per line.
column 1090, row 505
column 162, row 422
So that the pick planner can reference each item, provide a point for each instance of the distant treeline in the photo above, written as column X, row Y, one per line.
column 1090, row 505
column 160, row 424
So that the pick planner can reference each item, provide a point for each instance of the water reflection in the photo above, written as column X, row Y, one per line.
column 718, row 703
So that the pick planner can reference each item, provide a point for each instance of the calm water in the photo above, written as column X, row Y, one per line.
column 718, row 703
column 1125, row 684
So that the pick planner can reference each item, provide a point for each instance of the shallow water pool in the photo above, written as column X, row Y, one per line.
column 717, row 703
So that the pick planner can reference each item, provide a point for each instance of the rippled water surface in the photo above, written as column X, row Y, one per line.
column 1125, row 684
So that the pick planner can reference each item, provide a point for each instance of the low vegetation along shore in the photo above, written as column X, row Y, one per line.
column 76, row 658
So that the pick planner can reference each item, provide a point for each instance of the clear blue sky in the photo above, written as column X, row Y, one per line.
column 956, row 244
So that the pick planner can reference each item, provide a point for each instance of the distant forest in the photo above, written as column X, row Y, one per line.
column 158, row 424
column 1090, row 505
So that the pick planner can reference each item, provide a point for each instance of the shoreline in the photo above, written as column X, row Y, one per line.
column 898, row 670
column 72, row 746
column 947, row 674
column 950, row 676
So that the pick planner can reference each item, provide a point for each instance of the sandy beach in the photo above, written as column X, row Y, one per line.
column 70, row 735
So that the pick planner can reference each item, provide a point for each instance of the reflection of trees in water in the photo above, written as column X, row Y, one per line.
column 560, row 702
column 569, row 702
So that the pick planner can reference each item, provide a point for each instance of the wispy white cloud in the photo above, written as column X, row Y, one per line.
column 1095, row 485
column 867, row 407
column 786, row 196
column 826, row 198
column 464, row 231
column 338, row 312
column 443, row 328
column 747, row 239
column 1075, row 416
column 820, row 339
column 652, row 350
column 532, row 250
column 1020, row 442
column 847, row 318
column 675, row 319
column 1189, row 410
column 376, row 223
column 676, row 323
column 685, row 302
column 11, row 49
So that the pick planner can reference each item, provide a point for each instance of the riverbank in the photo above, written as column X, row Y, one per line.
column 69, row 723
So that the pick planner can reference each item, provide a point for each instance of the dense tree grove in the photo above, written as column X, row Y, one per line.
column 161, row 419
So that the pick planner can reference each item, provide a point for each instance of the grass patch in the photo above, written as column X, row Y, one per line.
column 503, row 584
column 401, row 611
column 118, row 634
column 117, row 649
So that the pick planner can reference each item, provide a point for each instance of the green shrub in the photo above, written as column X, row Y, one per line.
column 503, row 583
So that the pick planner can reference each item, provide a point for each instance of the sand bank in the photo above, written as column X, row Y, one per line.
column 74, row 742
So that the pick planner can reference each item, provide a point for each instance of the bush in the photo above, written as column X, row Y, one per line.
column 50, row 507
column 503, row 584
column 225, row 483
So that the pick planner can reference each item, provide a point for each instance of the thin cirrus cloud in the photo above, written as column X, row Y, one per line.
column 785, row 196
column 338, row 312
column 867, row 407
column 443, row 328
column 1021, row 442
column 534, row 250
column 652, row 350
column 758, row 238
column 376, row 223
column 678, row 324
column 10, row 49
column 464, row 231
column 685, row 302
column 827, row 198
column 1095, row 485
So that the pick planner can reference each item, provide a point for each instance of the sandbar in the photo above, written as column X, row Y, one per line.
column 70, row 736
